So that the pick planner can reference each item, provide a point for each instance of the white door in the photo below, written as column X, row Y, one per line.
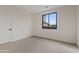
column 5, row 25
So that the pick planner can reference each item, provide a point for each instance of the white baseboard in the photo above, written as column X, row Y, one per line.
column 22, row 37
column 55, row 40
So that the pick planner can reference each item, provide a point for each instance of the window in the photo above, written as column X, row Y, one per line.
column 49, row 21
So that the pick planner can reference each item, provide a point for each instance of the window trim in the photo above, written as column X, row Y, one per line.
column 49, row 20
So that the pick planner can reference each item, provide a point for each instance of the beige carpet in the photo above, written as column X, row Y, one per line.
column 37, row 45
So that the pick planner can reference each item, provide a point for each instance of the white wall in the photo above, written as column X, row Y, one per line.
column 78, row 25
column 5, row 24
column 66, row 25
column 21, row 24
column 19, row 20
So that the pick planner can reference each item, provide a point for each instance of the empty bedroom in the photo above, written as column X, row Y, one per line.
column 39, row 29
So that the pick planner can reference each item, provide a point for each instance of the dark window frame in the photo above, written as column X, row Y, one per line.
column 49, row 20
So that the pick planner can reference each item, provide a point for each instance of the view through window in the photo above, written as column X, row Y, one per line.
column 49, row 21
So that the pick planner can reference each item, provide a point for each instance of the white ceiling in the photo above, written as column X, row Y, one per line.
column 37, row 8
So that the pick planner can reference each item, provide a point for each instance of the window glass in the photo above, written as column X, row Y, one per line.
column 49, row 21
column 52, row 20
column 45, row 21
